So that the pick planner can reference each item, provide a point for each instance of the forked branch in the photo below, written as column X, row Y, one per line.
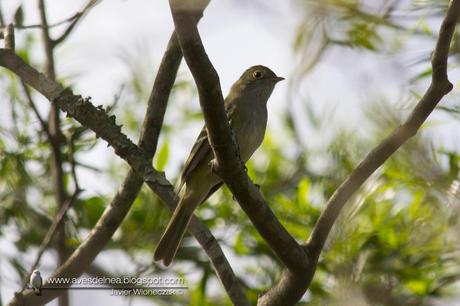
column 227, row 163
column 289, row 285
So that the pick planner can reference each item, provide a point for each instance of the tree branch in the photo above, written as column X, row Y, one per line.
column 74, row 20
column 439, row 87
column 77, row 15
column 290, row 286
column 97, row 120
column 228, row 165
column 152, row 125
column 56, row 166
column 50, row 234
column 43, row 123
column 8, row 36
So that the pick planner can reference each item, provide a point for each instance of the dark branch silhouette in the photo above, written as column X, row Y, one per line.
column 227, row 164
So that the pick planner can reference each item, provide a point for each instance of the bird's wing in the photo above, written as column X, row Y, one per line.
column 200, row 150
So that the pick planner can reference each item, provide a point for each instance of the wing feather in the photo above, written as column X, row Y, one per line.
column 201, row 148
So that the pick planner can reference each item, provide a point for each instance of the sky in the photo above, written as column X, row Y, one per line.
column 236, row 35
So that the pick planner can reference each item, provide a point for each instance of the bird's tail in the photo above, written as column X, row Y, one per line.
column 169, row 242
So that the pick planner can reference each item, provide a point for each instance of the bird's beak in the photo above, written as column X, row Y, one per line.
column 277, row 79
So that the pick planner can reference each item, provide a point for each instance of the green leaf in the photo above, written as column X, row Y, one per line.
column 161, row 159
column 302, row 191
column 453, row 164
column 239, row 246
column 94, row 208
column 418, row 286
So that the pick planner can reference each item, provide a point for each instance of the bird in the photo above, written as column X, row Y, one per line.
column 36, row 282
column 246, row 109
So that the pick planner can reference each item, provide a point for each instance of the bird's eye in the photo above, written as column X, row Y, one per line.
column 257, row 74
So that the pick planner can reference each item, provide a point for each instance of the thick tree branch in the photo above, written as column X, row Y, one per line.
column 97, row 120
column 228, row 165
column 290, row 286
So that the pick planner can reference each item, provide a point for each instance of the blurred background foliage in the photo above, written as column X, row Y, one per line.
column 396, row 242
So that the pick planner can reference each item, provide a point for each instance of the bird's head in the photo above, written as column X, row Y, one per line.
column 259, row 74
column 257, row 81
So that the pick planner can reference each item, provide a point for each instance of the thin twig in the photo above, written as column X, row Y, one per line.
column 77, row 15
column 56, row 142
column 86, row 166
column 76, row 18
column 73, row 164
column 48, row 42
column 43, row 123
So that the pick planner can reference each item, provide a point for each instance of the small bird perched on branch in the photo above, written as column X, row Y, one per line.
column 246, row 107
column 36, row 282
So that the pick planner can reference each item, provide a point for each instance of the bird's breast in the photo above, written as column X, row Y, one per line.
column 249, row 127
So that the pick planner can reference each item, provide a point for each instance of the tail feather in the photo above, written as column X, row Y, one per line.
column 170, row 241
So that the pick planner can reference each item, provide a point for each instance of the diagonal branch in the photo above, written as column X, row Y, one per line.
column 104, row 126
column 50, row 234
column 228, row 165
column 439, row 87
column 90, row 4
column 289, row 287
column 152, row 126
